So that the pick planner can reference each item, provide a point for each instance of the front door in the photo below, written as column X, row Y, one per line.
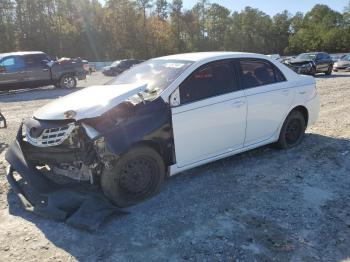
column 210, row 118
column 37, row 70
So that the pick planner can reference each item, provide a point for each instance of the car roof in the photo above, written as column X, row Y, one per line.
column 199, row 56
column 22, row 53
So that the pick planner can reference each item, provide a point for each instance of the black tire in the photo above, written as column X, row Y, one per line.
column 135, row 176
column 313, row 71
column 68, row 81
column 329, row 71
column 293, row 130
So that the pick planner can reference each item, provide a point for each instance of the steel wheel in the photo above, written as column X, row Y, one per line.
column 137, row 175
column 293, row 130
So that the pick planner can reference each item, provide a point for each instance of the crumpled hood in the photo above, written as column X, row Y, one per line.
column 300, row 61
column 89, row 102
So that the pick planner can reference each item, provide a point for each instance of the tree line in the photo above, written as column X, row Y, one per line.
column 148, row 28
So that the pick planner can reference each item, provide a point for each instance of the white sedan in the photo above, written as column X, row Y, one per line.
column 164, row 116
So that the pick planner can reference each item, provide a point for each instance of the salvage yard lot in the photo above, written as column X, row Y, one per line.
column 261, row 205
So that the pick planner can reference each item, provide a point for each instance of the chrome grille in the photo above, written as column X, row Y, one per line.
column 50, row 136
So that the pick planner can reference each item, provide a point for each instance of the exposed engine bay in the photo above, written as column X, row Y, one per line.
column 73, row 149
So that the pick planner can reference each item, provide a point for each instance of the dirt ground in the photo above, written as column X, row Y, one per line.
column 262, row 205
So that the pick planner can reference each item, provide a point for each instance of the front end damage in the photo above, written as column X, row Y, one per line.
column 59, row 163
column 82, row 206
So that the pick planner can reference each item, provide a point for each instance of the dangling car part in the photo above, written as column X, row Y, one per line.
column 157, row 119
column 3, row 123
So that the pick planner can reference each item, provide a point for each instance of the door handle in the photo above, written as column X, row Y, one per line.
column 238, row 104
column 285, row 92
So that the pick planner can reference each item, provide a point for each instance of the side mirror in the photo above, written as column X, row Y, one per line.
column 2, row 121
column 2, row 69
column 174, row 99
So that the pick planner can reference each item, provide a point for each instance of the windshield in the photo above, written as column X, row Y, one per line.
column 115, row 63
column 346, row 58
column 156, row 73
column 307, row 56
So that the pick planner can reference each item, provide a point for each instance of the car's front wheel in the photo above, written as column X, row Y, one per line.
column 293, row 130
column 68, row 81
column 136, row 175
column 329, row 71
column 313, row 71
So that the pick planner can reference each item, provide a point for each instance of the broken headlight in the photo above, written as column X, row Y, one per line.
column 91, row 132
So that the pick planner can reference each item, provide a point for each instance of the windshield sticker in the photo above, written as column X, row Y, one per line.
column 174, row 65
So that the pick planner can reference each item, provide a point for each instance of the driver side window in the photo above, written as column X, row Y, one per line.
column 210, row 80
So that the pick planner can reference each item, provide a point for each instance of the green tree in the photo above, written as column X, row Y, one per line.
column 162, row 9
column 7, row 26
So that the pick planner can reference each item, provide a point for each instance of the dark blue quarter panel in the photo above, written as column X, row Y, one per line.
column 148, row 123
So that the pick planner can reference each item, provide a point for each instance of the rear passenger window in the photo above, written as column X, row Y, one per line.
column 13, row 63
column 210, row 80
column 259, row 72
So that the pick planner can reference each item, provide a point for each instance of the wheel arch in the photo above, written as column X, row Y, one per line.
column 303, row 110
column 159, row 147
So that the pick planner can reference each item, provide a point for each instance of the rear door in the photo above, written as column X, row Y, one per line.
column 13, row 74
column 210, row 119
column 269, row 98
column 37, row 71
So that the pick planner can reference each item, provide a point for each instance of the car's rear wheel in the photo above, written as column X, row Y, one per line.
column 329, row 71
column 293, row 130
column 136, row 175
column 68, row 81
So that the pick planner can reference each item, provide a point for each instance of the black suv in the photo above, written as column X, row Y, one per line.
column 311, row 63
column 119, row 66
column 19, row 70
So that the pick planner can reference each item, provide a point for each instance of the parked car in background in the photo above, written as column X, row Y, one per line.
column 119, row 66
column 20, row 70
column 311, row 63
column 162, row 117
column 343, row 64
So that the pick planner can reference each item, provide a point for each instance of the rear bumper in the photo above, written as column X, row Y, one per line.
column 73, row 204
column 313, row 107
column 81, row 75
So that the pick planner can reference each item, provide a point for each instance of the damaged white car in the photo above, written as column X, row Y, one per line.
column 162, row 117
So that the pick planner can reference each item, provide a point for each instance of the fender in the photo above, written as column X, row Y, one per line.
column 147, row 123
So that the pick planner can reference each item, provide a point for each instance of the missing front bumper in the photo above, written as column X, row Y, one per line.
column 74, row 204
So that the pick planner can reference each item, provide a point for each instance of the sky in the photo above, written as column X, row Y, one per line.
column 272, row 7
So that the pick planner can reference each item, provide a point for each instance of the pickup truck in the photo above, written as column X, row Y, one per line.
column 21, row 70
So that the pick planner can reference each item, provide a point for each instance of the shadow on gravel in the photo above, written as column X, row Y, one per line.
column 34, row 94
column 252, row 206
column 333, row 75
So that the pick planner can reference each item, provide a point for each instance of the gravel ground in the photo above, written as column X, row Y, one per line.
column 261, row 205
